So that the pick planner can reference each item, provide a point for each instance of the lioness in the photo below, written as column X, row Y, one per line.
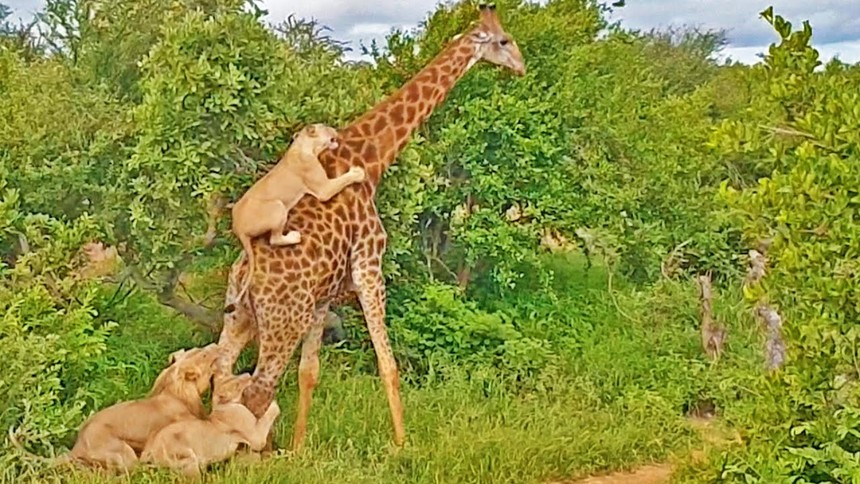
column 266, row 205
column 191, row 445
column 115, row 435
column 112, row 437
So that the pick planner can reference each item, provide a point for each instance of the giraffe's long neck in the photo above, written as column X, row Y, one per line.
column 389, row 125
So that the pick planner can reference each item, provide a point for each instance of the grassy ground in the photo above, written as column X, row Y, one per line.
column 613, row 398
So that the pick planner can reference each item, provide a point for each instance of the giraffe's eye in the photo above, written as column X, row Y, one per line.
column 504, row 42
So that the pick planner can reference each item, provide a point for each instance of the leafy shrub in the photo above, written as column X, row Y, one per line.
column 51, row 333
column 438, row 324
column 806, row 136
column 126, row 139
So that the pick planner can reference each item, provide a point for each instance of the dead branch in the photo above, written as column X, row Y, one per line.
column 776, row 131
column 758, row 263
column 774, row 344
column 202, row 316
column 775, row 353
column 215, row 208
column 165, row 293
column 205, row 317
column 713, row 334
column 464, row 276
column 674, row 260
column 166, row 290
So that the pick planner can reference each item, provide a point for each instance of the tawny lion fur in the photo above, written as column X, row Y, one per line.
column 265, row 207
column 113, row 437
column 191, row 445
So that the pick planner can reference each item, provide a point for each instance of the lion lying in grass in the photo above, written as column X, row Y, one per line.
column 191, row 445
column 112, row 438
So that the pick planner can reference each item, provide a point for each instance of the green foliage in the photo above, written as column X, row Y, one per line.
column 566, row 146
column 207, row 95
column 637, row 147
column 612, row 402
column 51, row 332
column 805, row 138
column 438, row 325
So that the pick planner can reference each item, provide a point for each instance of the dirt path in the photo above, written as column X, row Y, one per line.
column 711, row 434
column 653, row 474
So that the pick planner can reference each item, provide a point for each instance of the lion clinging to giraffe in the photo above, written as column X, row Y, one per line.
column 343, row 240
column 265, row 207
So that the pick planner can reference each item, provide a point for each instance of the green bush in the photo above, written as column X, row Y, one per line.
column 805, row 136
column 50, row 334
column 635, row 147
column 438, row 325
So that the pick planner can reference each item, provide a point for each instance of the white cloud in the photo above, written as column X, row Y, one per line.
column 359, row 30
column 23, row 8
column 848, row 51
column 832, row 20
column 836, row 23
column 746, row 55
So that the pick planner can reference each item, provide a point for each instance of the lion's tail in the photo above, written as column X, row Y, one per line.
column 51, row 461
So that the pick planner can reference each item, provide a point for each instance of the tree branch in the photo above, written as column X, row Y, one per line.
column 713, row 334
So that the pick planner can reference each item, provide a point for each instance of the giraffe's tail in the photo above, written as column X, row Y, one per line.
column 249, row 253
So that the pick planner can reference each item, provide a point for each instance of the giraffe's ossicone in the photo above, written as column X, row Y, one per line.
column 343, row 240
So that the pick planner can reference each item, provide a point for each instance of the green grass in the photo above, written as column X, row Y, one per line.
column 459, row 431
column 613, row 397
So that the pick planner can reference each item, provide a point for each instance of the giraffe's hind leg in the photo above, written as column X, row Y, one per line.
column 281, row 326
column 239, row 329
column 309, row 372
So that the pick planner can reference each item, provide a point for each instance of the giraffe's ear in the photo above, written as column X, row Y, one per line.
column 489, row 17
column 311, row 130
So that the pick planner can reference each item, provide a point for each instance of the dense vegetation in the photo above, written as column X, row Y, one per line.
column 635, row 157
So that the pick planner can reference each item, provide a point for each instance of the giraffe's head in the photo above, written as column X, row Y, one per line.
column 316, row 138
column 493, row 44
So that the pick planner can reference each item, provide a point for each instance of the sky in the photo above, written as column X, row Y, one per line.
column 835, row 23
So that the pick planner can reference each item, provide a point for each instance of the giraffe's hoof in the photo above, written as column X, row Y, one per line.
column 394, row 448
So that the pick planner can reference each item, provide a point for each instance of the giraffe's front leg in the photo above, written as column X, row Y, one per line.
column 367, row 275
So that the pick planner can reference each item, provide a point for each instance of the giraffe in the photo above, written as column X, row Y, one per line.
column 344, row 240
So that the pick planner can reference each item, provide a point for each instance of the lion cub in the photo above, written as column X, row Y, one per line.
column 265, row 207
column 192, row 444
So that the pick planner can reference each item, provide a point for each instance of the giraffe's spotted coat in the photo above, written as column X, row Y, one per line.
column 343, row 242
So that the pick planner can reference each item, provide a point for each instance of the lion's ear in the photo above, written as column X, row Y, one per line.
column 175, row 356
column 191, row 374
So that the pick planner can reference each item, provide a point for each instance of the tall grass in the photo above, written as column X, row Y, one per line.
column 613, row 397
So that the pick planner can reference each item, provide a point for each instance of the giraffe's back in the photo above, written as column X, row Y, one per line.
column 330, row 231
